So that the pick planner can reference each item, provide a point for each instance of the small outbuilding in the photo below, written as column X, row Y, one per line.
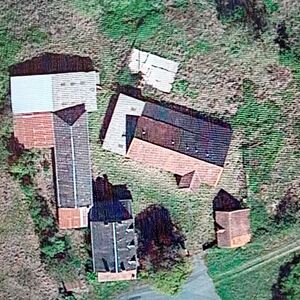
column 112, row 233
column 231, row 221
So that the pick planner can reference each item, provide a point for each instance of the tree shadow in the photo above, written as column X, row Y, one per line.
column 159, row 239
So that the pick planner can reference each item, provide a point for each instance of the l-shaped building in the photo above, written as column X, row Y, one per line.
column 50, row 108
column 190, row 146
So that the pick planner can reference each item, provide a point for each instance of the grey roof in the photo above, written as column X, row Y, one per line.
column 115, row 138
column 72, row 157
column 113, row 246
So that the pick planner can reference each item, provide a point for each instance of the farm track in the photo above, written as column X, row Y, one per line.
column 258, row 262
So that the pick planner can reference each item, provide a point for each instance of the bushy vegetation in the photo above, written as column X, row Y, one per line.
column 35, row 35
column 135, row 20
column 260, row 123
column 291, row 59
column 169, row 282
column 271, row 6
column 56, row 249
column 5, row 134
column 290, row 285
column 125, row 77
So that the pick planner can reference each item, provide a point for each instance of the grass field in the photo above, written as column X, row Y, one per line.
column 216, row 58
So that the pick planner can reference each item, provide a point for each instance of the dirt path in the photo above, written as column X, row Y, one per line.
column 258, row 262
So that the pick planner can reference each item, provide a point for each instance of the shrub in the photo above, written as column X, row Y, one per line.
column 291, row 59
column 290, row 286
column 5, row 134
column 34, row 35
column 182, row 87
column 271, row 6
column 169, row 282
column 125, row 77
column 106, row 290
column 53, row 247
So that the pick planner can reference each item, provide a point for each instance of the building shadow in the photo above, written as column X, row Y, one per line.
column 51, row 63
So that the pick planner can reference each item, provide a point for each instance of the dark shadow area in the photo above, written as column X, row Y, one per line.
column 284, row 272
column 136, row 93
column 288, row 209
column 112, row 203
column 246, row 11
column 227, row 7
column 282, row 38
column 209, row 245
column 159, row 239
column 51, row 63
column 226, row 202
column 54, row 178
column 15, row 149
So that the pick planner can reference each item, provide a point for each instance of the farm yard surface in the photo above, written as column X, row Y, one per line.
column 234, row 64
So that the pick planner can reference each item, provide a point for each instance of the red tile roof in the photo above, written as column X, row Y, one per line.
column 34, row 130
column 174, row 162
column 234, row 228
column 113, row 276
column 69, row 218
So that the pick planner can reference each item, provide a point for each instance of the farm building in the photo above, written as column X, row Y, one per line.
column 232, row 221
column 72, row 166
column 50, row 97
column 112, row 233
column 156, row 71
column 192, row 147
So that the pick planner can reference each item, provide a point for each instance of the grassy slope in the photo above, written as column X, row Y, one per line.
column 212, row 57
column 233, row 53
column 255, row 285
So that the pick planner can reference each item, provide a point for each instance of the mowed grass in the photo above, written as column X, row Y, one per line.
column 254, row 285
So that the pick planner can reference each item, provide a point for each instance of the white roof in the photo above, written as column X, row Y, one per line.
column 157, row 71
column 52, row 92
column 115, row 138
column 31, row 94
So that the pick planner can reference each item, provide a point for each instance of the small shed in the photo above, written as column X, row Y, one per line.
column 231, row 221
column 233, row 228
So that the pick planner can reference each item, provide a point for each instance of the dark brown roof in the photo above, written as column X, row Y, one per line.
column 202, row 138
column 185, row 180
column 71, row 115
column 72, row 158
column 50, row 63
